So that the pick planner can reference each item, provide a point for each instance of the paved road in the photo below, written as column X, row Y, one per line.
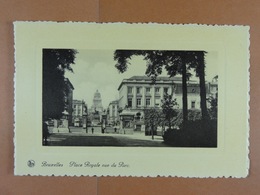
column 79, row 137
column 97, row 130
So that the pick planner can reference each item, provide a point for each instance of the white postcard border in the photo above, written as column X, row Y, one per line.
column 229, row 159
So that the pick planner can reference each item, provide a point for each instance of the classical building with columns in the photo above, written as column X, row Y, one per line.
column 138, row 93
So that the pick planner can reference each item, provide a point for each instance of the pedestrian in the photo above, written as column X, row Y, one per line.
column 45, row 133
column 115, row 129
column 92, row 129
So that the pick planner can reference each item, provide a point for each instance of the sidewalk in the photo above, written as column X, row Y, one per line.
column 81, row 138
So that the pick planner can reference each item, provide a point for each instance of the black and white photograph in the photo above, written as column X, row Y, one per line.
column 129, row 98
column 141, row 100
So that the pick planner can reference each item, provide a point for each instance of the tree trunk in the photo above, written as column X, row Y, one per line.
column 152, row 131
column 184, row 91
column 169, row 121
column 203, row 98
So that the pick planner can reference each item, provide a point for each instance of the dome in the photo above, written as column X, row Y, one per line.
column 97, row 95
column 97, row 102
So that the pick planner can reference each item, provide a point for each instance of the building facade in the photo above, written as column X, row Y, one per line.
column 113, row 114
column 69, row 100
column 97, row 103
column 79, row 112
column 96, row 109
column 62, row 125
column 138, row 93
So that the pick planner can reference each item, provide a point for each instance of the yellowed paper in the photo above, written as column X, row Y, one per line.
column 123, row 146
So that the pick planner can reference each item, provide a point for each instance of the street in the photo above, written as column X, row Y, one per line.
column 79, row 137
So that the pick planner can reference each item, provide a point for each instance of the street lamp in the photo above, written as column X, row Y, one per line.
column 85, row 114
column 103, row 122
column 65, row 120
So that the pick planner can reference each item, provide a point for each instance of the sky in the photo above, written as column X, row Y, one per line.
column 95, row 70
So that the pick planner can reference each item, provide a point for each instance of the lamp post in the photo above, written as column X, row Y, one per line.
column 65, row 121
column 103, row 122
column 86, row 122
column 85, row 114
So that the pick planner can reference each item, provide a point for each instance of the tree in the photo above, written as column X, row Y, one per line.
column 152, row 118
column 55, row 63
column 213, row 110
column 200, row 72
column 168, row 110
column 213, row 100
column 175, row 62
column 181, row 62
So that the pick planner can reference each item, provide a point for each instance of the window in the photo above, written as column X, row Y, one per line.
column 129, row 90
column 148, row 102
column 138, row 116
column 129, row 102
column 138, row 90
column 157, row 102
column 147, row 89
column 138, row 102
column 157, row 90
column 165, row 89
column 192, row 104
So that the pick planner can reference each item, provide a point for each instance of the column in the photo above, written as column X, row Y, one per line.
column 134, row 97
column 143, row 103
column 152, row 92
column 161, row 93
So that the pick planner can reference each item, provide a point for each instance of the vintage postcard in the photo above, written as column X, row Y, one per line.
column 131, row 99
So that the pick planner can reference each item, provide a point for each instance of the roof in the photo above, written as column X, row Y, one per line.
column 127, row 113
column 67, row 81
column 146, row 79
column 159, row 78
column 78, row 102
column 113, row 102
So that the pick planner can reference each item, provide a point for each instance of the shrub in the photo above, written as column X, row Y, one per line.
column 196, row 133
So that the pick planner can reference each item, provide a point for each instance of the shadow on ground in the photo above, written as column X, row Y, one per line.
column 102, row 140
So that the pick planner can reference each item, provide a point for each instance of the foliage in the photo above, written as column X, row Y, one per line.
column 213, row 109
column 157, row 59
column 55, row 63
column 174, row 62
column 153, row 118
column 168, row 110
column 193, row 115
column 213, row 101
column 195, row 134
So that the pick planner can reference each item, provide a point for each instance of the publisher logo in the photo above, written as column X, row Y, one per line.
column 31, row 163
